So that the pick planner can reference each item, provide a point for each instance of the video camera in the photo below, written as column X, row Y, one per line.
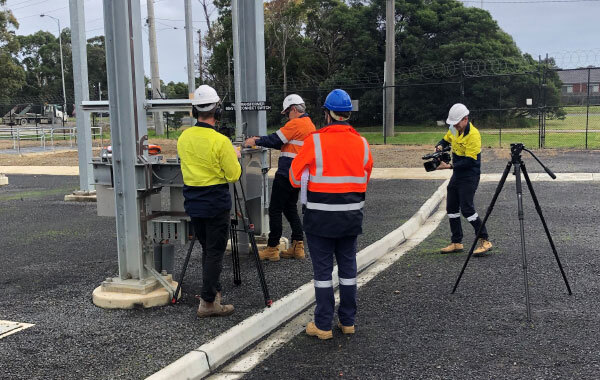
column 226, row 130
column 437, row 158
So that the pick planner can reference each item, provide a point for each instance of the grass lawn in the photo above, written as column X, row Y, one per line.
column 495, row 139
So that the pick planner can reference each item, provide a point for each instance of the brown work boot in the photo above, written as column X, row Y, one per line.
column 269, row 253
column 483, row 246
column 313, row 330
column 295, row 251
column 213, row 309
column 453, row 247
column 346, row 329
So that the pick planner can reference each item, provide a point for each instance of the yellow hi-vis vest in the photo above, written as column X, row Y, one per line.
column 207, row 157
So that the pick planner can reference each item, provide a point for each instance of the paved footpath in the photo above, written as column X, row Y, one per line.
column 409, row 326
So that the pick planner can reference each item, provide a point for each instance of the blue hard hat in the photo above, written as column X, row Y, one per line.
column 338, row 100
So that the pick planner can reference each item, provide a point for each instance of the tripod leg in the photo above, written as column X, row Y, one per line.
column 259, row 269
column 487, row 215
column 522, row 231
column 235, row 255
column 185, row 264
column 539, row 211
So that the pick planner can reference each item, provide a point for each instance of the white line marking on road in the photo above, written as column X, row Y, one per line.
column 280, row 337
column 8, row 327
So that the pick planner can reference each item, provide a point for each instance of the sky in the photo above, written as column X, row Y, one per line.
column 566, row 29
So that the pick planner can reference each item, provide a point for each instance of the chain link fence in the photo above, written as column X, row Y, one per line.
column 511, row 100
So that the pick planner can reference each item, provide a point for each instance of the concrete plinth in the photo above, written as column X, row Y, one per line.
column 81, row 196
column 115, row 293
column 3, row 180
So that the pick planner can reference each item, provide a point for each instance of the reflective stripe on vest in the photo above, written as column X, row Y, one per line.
column 335, row 207
column 320, row 178
column 281, row 136
column 288, row 154
column 293, row 177
column 296, row 142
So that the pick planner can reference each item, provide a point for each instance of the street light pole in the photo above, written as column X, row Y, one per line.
column 62, row 66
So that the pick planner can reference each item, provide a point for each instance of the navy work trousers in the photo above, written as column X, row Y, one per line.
column 461, row 193
column 322, row 252
column 284, row 199
column 212, row 233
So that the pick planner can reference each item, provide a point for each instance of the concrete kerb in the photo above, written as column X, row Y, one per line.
column 201, row 361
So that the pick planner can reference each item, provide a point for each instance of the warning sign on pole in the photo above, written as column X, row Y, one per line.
column 250, row 106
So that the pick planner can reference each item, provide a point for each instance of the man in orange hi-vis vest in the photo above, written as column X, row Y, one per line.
column 284, row 197
column 338, row 163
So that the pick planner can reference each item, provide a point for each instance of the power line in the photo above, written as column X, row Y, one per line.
column 194, row 21
column 530, row 1
column 22, row 2
column 30, row 5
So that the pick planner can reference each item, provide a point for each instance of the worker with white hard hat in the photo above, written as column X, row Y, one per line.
column 466, row 165
column 284, row 197
column 208, row 163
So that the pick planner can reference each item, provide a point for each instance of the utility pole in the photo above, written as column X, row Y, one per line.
column 200, row 56
column 390, row 65
column 155, row 79
column 82, row 93
column 189, row 42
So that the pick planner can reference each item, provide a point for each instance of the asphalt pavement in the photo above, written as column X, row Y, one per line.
column 55, row 253
column 410, row 326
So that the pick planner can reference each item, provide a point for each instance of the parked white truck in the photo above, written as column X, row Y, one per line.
column 23, row 114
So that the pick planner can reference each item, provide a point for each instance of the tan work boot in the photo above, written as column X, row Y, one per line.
column 453, row 247
column 269, row 253
column 482, row 247
column 313, row 330
column 346, row 329
column 295, row 251
column 213, row 309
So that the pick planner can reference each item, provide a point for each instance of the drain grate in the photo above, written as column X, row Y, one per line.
column 8, row 328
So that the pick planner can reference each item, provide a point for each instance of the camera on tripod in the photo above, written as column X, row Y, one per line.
column 226, row 130
column 437, row 158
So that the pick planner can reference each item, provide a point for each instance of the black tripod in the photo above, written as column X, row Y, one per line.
column 519, row 165
column 239, row 212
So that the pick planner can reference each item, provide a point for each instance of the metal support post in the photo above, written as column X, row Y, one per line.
column 249, row 54
column 390, row 65
column 82, row 93
column 189, row 42
column 128, row 126
column 155, row 76
column 250, row 86
column 587, row 111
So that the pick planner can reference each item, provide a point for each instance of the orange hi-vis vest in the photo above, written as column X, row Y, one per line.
column 290, row 139
column 293, row 133
column 339, row 164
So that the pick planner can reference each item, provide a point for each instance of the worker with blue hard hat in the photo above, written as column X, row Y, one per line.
column 334, row 166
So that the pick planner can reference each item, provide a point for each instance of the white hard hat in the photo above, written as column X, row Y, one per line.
column 205, row 98
column 457, row 113
column 290, row 100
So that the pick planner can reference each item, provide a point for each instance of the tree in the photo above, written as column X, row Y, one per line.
column 12, row 76
column 283, row 23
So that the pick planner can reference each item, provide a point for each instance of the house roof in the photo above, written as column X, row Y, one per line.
column 579, row 76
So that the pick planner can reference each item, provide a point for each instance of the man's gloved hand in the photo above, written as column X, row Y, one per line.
column 250, row 141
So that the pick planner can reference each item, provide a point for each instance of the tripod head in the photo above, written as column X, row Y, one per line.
column 515, row 155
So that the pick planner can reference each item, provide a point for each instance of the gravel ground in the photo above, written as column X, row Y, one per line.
column 55, row 253
column 409, row 325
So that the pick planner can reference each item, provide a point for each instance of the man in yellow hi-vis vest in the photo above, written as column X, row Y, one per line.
column 466, row 165
column 208, row 163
